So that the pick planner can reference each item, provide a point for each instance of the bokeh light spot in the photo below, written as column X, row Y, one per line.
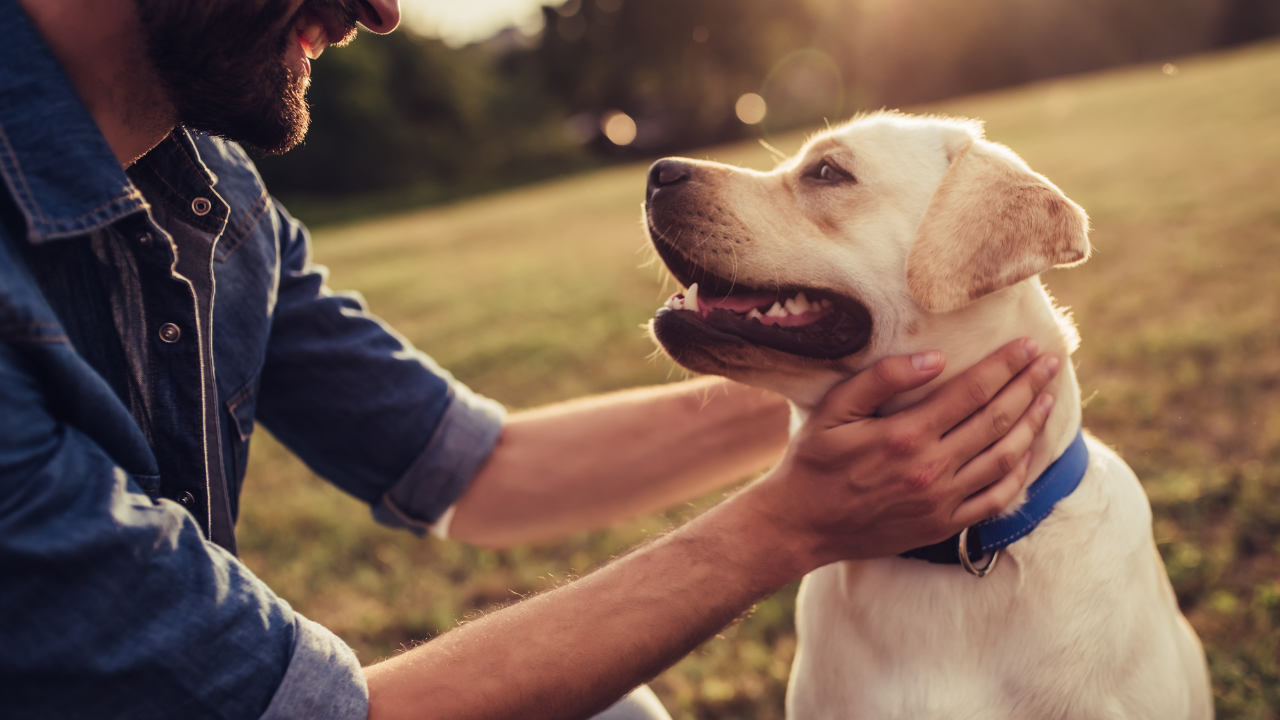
column 1169, row 69
column 802, row 88
column 751, row 108
column 618, row 127
column 701, row 34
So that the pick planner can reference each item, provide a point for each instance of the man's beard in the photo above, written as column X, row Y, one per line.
column 222, row 63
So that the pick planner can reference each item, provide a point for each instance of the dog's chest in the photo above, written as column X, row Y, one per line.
column 904, row 638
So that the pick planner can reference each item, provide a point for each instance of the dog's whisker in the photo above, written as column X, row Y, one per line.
column 781, row 156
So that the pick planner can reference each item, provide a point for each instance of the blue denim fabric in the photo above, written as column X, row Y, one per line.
column 129, row 392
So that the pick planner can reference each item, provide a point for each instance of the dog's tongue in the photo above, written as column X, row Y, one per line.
column 738, row 303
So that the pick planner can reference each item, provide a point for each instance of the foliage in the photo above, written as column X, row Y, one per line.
column 535, row 295
column 401, row 121
column 677, row 66
column 405, row 115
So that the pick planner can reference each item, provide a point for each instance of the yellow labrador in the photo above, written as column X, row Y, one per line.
column 895, row 234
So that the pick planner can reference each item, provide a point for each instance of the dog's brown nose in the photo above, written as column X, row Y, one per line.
column 666, row 173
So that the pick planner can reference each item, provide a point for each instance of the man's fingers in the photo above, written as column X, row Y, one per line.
column 991, row 423
column 963, row 394
column 994, row 498
column 1002, row 458
column 860, row 395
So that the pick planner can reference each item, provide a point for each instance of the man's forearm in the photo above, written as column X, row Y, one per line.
column 591, row 462
column 573, row 651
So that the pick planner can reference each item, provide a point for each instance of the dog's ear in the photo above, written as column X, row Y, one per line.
column 991, row 223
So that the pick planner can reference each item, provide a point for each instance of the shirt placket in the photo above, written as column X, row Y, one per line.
column 180, row 239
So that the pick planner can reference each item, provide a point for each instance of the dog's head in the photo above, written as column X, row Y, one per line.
column 809, row 273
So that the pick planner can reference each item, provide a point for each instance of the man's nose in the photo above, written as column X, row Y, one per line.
column 379, row 16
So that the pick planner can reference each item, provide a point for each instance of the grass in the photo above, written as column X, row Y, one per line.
column 538, row 294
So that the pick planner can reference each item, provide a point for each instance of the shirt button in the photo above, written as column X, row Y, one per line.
column 170, row 333
column 201, row 206
column 187, row 499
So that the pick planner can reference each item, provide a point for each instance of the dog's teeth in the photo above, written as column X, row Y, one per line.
column 691, row 298
column 776, row 311
column 797, row 305
column 825, row 304
column 754, row 314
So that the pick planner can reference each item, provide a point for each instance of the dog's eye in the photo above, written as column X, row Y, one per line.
column 828, row 173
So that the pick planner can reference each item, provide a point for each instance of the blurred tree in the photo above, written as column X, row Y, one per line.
column 406, row 119
column 676, row 66
column 398, row 112
column 919, row 50
column 1249, row 20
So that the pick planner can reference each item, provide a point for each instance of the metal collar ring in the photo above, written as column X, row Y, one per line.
column 963, row 550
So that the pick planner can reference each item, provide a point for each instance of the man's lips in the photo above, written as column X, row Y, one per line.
column 312, row 35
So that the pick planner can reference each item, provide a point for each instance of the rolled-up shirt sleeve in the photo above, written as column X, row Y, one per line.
column 360, row 405
column 324, row 679
column 112, row 604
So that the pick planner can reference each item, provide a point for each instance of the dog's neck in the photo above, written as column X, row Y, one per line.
column 973, row 332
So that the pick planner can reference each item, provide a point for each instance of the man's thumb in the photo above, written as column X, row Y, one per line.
column 860, row 395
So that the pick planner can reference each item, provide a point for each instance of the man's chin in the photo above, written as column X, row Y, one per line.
column 225, row 81
column 273, row 130
column 282, row 139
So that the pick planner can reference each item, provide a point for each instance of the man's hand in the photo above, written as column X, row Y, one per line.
column 853, row 485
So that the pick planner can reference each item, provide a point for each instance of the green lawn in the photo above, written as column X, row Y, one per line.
column 538, row 294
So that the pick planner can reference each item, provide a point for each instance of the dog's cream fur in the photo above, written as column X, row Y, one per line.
column 941, row 236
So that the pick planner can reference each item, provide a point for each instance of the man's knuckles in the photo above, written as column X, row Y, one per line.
column 923, row 475
column 1008, row 461
column 979, row 389
column 903, row 441
column 1001, row 420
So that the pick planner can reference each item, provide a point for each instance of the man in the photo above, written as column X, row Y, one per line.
column 129, row 390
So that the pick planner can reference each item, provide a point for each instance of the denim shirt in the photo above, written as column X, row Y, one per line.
column 148, row 320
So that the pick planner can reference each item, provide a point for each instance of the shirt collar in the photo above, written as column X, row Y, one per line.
column 54, row 161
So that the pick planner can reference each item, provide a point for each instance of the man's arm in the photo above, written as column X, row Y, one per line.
column 850, row 486
column 662, row 446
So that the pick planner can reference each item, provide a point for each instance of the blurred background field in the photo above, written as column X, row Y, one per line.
column 538, row 294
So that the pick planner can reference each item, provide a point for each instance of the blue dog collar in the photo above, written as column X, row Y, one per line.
column 1058, row 481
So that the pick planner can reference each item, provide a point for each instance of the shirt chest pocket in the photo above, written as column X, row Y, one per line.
column 247, row 271
column 239, row 411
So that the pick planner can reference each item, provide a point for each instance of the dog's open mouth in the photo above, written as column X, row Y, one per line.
column 803, row 321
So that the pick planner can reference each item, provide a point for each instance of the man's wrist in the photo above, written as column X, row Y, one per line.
column 771, row 551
